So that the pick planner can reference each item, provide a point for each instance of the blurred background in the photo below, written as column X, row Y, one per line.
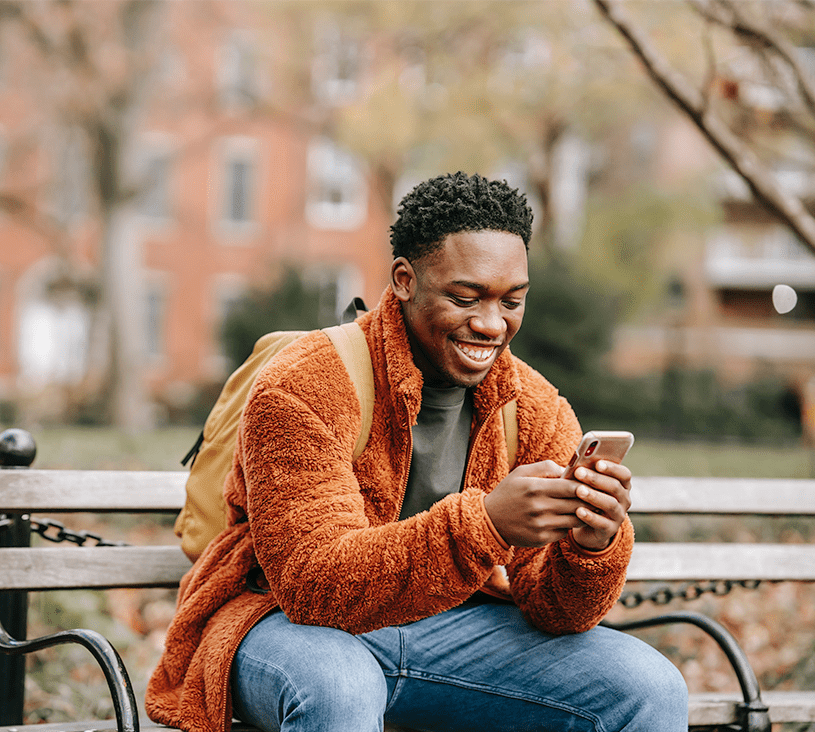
column 178, row 178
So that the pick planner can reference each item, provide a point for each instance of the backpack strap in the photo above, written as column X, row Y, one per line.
column 509, row 413
column 349, row 340
column 355, row 308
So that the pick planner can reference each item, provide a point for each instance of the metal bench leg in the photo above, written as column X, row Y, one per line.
column 753, row 712
column 14, row 531
column 121, row 690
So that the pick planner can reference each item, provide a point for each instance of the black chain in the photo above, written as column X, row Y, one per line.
column 663, row 594
column 58, row 533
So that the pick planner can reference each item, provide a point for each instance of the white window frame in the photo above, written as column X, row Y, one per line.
column 156, row 146
column 347, row 281
column 238, row 71
column 330, row 169
column 155, row 333
column 336, row 49
column 232, row 150
column 52, row 334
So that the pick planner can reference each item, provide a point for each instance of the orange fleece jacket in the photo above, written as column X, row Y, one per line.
column 325, row 531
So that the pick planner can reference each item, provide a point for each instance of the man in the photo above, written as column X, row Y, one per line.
column 377, row 589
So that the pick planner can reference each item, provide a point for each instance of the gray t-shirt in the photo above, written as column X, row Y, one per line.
column 441, row 438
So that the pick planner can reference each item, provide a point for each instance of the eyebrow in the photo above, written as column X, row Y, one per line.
column 480, row 287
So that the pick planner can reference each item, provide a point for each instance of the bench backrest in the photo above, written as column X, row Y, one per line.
column 59, row 491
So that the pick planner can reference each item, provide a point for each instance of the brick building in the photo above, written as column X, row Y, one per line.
column 234, row 188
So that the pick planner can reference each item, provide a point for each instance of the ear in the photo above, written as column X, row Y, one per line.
column 403, row 279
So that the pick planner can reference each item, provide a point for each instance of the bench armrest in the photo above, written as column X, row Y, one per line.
column 108, row 658
column 753, row 712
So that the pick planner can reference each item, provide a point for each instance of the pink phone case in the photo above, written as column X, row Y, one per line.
column 600, row 445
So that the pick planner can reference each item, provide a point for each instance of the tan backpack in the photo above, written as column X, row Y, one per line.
column 203, row 516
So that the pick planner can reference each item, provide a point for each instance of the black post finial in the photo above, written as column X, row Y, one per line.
column 17, row 449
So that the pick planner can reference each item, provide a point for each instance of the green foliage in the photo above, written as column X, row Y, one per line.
column 567, row 331
column 294, row 304
column 629, row 234
column 695, row 402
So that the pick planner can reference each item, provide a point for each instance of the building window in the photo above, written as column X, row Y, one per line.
column 238, row 75
column 155, row 194
column 53, row 340
column 71, row 177
column 337, row 65
column 238, row 186
column 337, row 191
column 239, row 176
column 336, row 287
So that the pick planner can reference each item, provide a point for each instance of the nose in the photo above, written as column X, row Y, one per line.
column 488, row 321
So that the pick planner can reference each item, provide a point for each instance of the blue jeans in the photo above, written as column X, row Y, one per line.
column 479, row 666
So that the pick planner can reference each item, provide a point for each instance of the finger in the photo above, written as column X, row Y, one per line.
column 614, row 470
column 597, row 521
column 606, row 484
column 544, row 489
column 541, row 532
column 542, row 469
column 599, row 501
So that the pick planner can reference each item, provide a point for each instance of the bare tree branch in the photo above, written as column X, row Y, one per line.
column 755, row 32
column 752, row 30
column 710, row 76
column 744, row 161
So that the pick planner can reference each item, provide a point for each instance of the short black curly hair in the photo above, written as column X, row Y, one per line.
column 454, row 202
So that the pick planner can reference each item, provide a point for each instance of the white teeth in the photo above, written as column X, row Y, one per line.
column 477, row 354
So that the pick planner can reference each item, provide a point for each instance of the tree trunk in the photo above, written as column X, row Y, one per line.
column 123, row 299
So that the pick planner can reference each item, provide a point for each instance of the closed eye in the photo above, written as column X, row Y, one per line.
column 464, row 301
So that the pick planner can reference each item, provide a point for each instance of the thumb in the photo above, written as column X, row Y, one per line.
column 543, row 469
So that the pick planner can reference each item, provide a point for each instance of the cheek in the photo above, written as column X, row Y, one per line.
column 514, row 325
column 442, row 321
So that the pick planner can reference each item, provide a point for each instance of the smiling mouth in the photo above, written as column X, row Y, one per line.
column 479, row 354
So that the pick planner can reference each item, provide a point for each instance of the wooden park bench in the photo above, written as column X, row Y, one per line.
column 25, row 492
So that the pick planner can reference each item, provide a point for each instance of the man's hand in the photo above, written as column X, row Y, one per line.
column 606, row 491
column 533, row 506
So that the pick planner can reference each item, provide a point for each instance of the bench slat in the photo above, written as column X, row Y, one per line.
column 91, row 567
column 720, row 708
column 105, row 725
column 734, row 496
column 704, row 709
column 92, row 490
column 122, row 490
column 74, row 567
column 703, row 561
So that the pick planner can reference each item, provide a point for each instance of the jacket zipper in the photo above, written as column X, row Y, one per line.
column 403, row 485
column 254, row 621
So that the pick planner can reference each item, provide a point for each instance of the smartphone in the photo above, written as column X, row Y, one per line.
column 599, row 445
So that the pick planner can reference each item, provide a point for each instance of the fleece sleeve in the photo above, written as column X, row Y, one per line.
column 562, row 588
column 323, row 559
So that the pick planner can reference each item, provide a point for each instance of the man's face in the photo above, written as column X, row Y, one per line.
column 463, row 304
